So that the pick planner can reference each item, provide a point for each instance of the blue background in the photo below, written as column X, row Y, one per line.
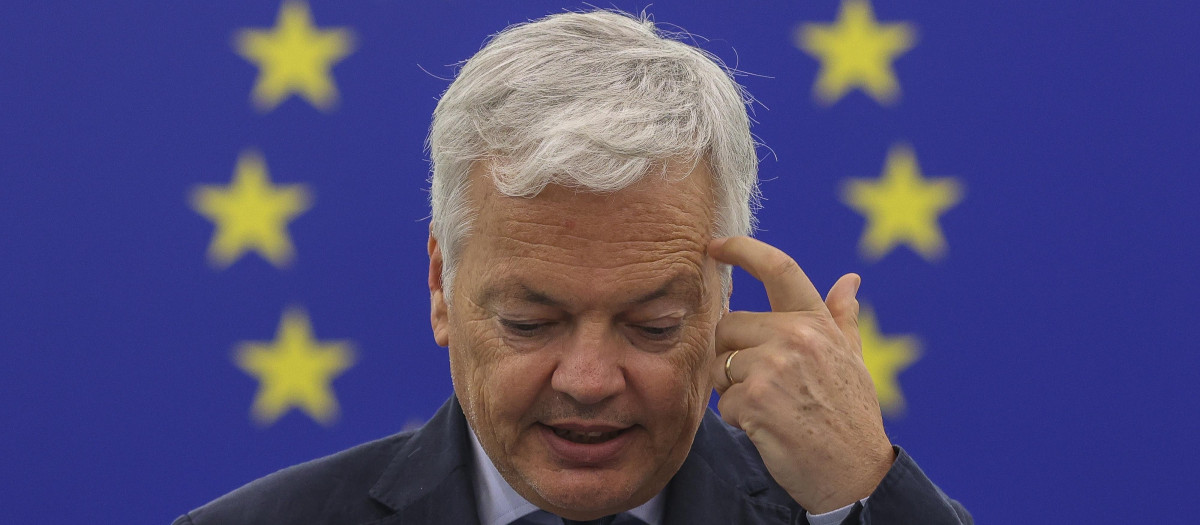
column 1059, row 363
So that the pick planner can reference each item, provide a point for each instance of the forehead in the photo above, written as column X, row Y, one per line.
column 623, row 245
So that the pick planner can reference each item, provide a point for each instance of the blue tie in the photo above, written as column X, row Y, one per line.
column 607, row 520
column 540, row 517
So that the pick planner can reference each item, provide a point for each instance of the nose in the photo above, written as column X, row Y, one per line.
column 590, row 368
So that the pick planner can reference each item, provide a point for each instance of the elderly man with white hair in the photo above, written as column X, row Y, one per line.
column 593, row 183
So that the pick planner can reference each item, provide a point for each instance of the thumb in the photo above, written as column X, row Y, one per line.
column 842, row 302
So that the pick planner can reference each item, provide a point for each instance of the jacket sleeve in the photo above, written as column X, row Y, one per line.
column 906, row 495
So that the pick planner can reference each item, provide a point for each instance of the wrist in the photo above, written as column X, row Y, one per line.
column 859, row 486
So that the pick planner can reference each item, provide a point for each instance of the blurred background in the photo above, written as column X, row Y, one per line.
column 213, row 226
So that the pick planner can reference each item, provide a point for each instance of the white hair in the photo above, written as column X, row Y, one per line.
column 594, row 101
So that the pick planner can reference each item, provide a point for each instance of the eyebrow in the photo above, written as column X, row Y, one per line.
column 678, row 286
column 517, row 290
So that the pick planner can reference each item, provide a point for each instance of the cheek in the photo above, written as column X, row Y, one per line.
column 702, row 345
column 678, row 382
column 495, row 385
column 472, row 352
column 699, row 382
column 474, row 365
column 700, row 342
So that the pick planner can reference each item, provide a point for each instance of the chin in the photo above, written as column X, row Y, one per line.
column 589, row 480
column 588, row 495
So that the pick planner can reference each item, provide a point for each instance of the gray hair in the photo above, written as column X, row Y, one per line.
column 594, row 101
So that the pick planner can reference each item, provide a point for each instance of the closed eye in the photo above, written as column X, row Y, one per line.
column 523, row 328
column 657, row 333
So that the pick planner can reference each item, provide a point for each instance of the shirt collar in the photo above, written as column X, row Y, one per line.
column 499, row 504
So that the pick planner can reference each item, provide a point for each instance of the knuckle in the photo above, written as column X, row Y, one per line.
column 750, row 427
column 779, row 361
column 800, row 335
column 757, row 394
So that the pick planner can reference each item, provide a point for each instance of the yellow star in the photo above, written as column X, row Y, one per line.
column 250, row 213
column 294, row 370
column 294, row 57
column 885, row 358
column 902, row 207
column 856, row 51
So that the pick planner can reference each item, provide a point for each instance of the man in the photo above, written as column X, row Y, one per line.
column 592, row 183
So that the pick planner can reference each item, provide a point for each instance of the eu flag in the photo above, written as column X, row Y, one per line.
column 212, row 235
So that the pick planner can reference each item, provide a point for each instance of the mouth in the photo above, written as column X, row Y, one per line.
column 585, row 438
column 586, row 445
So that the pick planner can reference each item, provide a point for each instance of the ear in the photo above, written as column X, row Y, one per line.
column 438, row 311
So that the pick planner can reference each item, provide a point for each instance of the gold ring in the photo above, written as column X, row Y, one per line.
column 728, row 362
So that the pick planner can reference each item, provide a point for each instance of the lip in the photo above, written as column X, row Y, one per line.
column 572, row 454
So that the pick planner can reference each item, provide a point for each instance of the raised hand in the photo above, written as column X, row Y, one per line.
column 794, row 380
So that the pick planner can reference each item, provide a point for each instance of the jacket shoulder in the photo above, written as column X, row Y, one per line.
column 907, row 495
column 332, row 489
column 725, row 458
column 724, row 480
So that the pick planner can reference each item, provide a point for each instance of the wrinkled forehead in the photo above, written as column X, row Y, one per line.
column 654, row 230
column 656, row 207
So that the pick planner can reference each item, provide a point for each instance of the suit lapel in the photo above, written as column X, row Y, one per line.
column 721, row 481
column 429, row 479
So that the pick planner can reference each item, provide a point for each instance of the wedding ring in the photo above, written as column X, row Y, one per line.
column 728, row 362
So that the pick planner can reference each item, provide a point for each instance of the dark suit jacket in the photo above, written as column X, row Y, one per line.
column 424, row 476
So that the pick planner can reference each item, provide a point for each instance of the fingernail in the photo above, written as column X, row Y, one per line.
column 857, row 284
column 716, row 244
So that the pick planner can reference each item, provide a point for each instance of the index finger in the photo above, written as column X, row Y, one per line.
column 788, row 288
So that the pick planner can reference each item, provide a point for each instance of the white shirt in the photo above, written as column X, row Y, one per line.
column 499, row 504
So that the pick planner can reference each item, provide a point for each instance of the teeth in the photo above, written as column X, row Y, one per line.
column 585, row 437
